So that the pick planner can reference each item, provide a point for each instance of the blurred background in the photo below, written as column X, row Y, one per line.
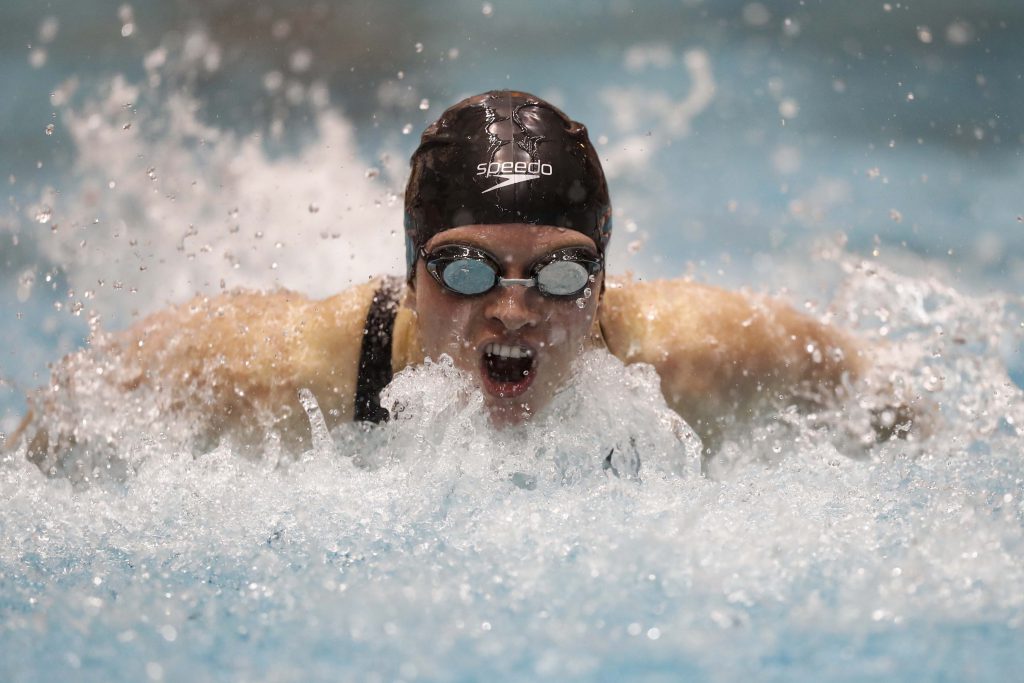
column 158, row 149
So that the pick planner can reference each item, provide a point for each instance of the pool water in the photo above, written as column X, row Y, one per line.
column 760, row 144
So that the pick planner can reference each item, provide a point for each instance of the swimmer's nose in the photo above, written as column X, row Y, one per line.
column 510, row 307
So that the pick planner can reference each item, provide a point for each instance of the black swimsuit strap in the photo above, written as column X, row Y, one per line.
column 375, row 354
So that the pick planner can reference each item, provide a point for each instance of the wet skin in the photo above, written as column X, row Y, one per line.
column 556, row 330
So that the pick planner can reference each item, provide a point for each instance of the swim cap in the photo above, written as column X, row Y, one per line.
column 505, row 157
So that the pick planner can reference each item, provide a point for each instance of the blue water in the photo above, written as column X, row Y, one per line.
column 836, row 134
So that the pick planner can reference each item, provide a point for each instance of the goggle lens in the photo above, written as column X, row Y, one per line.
column 468, row 276
column 562, row 278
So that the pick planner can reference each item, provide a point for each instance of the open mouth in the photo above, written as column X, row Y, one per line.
column 507, row 369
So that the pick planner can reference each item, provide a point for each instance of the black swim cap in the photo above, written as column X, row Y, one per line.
column 505, row 157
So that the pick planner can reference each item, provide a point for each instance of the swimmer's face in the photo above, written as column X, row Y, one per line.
column 518, row 344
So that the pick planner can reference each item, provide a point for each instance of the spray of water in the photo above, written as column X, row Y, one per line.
column 583, row 544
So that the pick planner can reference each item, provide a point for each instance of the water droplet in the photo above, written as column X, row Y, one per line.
column 959, row 33
column 424, row 104
column 419, row 47
column 756, row 14
column 587, row 292
column 313, row 208
column 924, row 34
column 151, row 173
column 487, row 9
column 406, row 129
column 581, row 303
column 44, row 214
column 48, row 29
column 280, row 29
column 273, row 80
column 301, row 60
column 37, row 58
column 49, row 129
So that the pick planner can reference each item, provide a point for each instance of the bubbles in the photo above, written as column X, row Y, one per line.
column 418, row 47
column 924, row 34
column 424, row 104
column 49, row 129
column 406, row 129
column 44, row 214
column 487, row 9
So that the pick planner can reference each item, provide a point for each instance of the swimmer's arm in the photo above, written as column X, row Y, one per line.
column 236, row 360
column 720, row 353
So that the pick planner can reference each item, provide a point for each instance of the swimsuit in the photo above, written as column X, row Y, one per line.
column 375, row 354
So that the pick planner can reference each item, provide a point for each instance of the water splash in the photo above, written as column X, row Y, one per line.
column 149, row 166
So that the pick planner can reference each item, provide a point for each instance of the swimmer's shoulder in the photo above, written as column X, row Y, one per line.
column 261, row 345
column 636, row 314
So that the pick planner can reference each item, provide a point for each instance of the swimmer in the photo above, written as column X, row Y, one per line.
column 507, row 224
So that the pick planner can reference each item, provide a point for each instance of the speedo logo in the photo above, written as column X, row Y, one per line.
column 513, row 172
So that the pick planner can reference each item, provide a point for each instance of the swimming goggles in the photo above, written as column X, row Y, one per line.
column 469, row 271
